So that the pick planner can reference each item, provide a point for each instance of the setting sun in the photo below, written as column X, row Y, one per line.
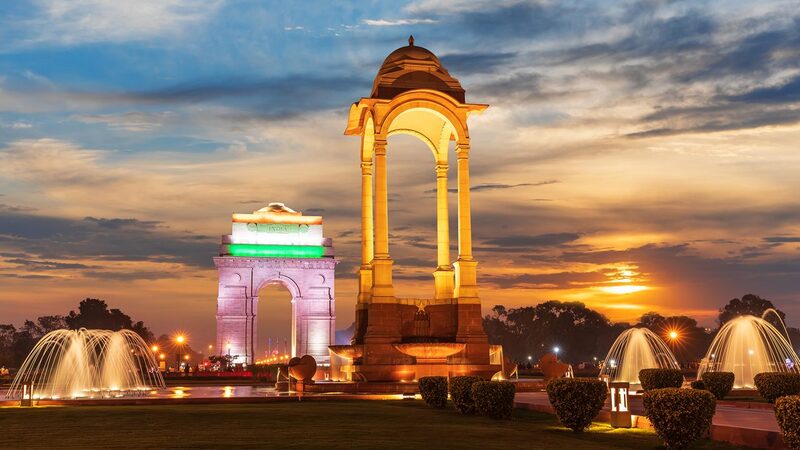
column 627, row 289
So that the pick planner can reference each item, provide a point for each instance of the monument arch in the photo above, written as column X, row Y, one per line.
column 276, row 245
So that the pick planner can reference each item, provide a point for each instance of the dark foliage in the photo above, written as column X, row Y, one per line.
column 494, row 399
column 577, row 401
column 679, row 416
column 434, row 391
column 461, row 393
column 718, row 383
column 773, row 385
column 787, row 411
column 660, row 378
column 698, row 384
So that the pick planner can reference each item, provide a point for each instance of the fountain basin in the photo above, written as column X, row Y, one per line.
column 430, row 350
column 347, row 351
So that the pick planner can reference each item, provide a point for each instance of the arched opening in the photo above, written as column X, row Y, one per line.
column 274, row 321
column 412, row 188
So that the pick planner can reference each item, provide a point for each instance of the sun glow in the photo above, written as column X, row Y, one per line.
column 627, row 289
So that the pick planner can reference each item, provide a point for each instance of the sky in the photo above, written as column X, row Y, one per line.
column 637, row 155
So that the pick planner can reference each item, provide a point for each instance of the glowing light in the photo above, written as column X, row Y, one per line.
column 180, row 339
column 154, row 348
column 277, row 251
column 621, row 290
column 673, row 335
column 161, row 356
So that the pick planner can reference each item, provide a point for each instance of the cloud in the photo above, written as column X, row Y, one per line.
column 74, row 22
column 128, row 121
column 50, row 241
column 396, row 22
column 541, row 240
column 788, row 92
column 496, row 186
column 782, row 239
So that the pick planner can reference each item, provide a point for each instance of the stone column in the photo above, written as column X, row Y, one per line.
column 382, row 289
column 443, row 276
column 367, row 233
column 466, row 289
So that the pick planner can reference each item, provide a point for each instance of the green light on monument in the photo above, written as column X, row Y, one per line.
column 277, row 251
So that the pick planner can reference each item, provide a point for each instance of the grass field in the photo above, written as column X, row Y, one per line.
column 328, row 424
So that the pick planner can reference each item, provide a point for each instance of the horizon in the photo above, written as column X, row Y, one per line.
column 634, row 157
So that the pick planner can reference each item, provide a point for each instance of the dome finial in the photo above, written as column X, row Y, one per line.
column 411, row 40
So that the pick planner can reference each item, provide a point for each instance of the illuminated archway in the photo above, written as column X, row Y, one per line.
column 276, row 245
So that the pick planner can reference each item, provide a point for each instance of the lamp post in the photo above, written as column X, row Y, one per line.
column 179, row 340
column 620, row 413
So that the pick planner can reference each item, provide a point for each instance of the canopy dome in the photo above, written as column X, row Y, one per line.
column 413, row 67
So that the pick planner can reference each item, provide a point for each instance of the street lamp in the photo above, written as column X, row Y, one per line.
column 673, row 335
column 556, row 349
column 154, row 348
column 179, row 340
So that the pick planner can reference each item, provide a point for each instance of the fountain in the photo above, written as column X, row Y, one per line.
column 748, row 345
column 87, row 363
column 633, row 350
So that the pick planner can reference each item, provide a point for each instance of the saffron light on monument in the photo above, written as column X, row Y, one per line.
column 414, row 94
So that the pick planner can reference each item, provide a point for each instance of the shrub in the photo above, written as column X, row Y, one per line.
column 494, row 398
column 660, row 378
column 718, row 383
column 576, row 400
column 772, row 385
column 461, row 393
column 698, row 384
column 787, row 411
column 680, row 416
column 434, row 391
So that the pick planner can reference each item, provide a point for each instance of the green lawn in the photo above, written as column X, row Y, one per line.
column 328, row 424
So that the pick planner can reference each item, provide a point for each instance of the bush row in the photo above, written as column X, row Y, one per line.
column 772, row 385
column 470, row 395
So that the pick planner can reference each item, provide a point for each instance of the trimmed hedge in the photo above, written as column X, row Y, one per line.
column 461, row 393
column 680, row 416
column 772, row 385
column 660, row 378
column 434, row 391
column 787, row 411
column 576, row 400
column 718, row 383
column 494, row 399
column 698, row 384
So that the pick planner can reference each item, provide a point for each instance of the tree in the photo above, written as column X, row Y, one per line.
column 51, row 323
column 691, row 342
column 7, row 332
column 94, row 314
column 580, row 332
column 748, row 304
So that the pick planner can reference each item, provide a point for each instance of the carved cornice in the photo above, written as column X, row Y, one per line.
column 275, row 263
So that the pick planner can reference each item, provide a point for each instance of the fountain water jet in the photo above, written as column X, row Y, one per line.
column 748, row 345
column 633, row 350
column 88, row 363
